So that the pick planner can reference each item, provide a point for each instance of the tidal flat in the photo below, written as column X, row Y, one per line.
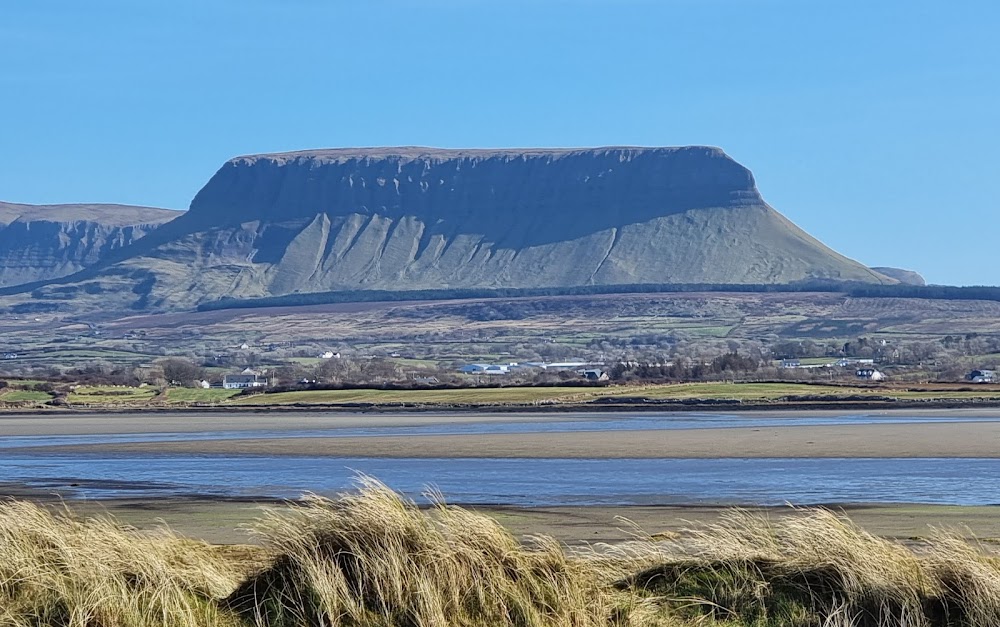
column 570, row 475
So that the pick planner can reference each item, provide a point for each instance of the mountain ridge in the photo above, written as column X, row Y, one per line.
column 425, row 218
column 46, row 242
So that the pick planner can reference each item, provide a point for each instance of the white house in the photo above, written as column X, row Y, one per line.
column 982, row 376
column 484, row 369
column 870, row 374
column 594, row 374
column 241, row 381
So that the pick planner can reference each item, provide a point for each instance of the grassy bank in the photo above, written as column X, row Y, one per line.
column 372, row 558
column 762, row 395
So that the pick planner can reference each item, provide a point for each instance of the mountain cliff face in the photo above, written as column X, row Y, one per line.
column 41, row 242
column 418, row 218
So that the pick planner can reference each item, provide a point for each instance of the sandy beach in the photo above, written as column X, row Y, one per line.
column 228, row 521
column 254, row 419
column 940, row 440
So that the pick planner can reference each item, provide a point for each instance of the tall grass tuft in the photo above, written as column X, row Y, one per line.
column 56, row 570
column 374, row 558
column 968, row 578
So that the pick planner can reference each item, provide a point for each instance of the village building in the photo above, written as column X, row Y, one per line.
column 870, row 374
column 595, row 374
column 982, row 376
column 243, row 380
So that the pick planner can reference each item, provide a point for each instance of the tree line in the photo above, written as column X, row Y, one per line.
column 848, row 288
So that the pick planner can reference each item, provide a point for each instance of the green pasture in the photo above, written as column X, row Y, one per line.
column 199, row 395
column 110, row 395
column 25, row 396
column 774, row 391
column 499, row 396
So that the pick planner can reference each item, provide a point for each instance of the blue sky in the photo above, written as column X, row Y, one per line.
column 873, row 125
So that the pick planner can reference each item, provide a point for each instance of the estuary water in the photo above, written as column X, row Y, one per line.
column 528, row 482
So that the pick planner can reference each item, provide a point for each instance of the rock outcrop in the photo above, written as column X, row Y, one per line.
column 419, row 218
column 42, row 242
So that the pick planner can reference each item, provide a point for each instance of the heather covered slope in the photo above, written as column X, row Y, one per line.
column 40, row 242
column 419, row 218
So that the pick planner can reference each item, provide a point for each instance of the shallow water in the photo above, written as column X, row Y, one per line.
column 511, row 481
column 524, row 481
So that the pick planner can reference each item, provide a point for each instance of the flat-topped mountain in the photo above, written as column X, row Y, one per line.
column 422, row 218
column 41, row 242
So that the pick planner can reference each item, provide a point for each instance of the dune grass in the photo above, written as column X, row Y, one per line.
column 372, row 558
column 58, row 571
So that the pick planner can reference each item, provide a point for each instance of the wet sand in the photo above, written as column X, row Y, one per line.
column 188, row 421
column 227, row 521
column 910, row 440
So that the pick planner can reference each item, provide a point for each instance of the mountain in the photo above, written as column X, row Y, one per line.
column 42, row 242
column 422, row 218
column 906, row 277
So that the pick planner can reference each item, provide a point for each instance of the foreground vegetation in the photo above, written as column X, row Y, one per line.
column 372, row 558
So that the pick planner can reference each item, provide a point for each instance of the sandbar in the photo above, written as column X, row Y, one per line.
column 893, row 440
column 229, row 521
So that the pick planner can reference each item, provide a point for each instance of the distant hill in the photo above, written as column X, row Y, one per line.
column 906, row 277
column 420, row 218
column 43, row 242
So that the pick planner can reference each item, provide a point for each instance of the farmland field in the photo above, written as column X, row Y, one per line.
column 22, row 396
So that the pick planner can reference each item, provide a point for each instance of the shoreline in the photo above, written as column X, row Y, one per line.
column 619, row 404
column 226, row 521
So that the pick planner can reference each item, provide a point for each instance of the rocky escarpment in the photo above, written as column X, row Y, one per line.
column 41, row 242
column 418, row 218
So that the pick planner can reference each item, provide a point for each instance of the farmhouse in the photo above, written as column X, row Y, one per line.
column 982, row 376
column 594, row 374
column 241, row 381
column 870, row 374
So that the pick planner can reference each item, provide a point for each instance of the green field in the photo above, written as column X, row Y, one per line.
column 775, row 391
column 743, row 391
column 110, row 395
column 199, row 395
column 25, row 396
column 474, row 396
column 532, row 395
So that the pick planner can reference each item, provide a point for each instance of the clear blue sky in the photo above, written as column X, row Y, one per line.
column 873, row 125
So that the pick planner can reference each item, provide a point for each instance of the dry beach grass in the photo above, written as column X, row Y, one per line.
column 373, row 558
